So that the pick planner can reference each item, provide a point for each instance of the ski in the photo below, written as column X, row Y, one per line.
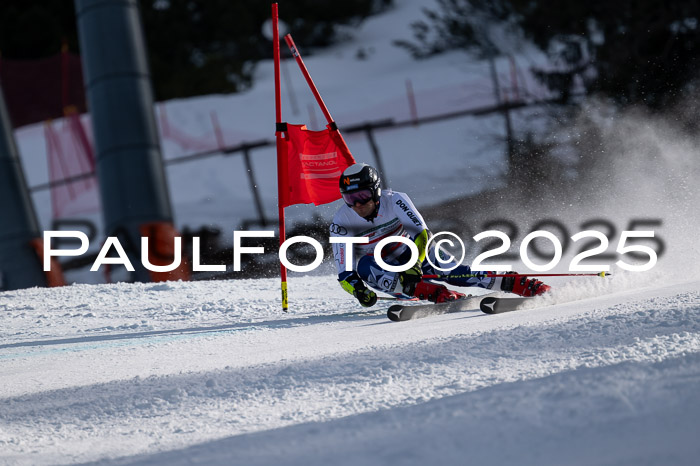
column 403, row 312
column 494, row 305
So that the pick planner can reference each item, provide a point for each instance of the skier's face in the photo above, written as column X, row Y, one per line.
column 364, row 210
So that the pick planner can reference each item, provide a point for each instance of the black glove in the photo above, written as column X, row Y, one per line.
column 410, row 278
column 366, row 297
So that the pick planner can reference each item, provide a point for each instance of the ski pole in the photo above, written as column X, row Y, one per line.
column 495, row 275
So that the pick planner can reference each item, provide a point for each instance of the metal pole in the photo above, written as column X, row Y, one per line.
column 253, row 186
column 377, row 155
column 130, row 169
column 20, row 266
column 510, row 149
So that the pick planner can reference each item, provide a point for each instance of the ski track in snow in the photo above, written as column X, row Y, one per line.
column 128, row 369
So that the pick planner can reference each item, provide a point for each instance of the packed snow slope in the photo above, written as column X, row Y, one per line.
column 601, row 372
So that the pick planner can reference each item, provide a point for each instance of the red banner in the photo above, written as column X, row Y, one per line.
column 38, row 90
column 315, row 161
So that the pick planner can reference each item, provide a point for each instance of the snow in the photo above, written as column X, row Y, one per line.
column 213, row 372
column 601, row 372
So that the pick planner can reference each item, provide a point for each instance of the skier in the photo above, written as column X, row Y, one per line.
column 375, row 214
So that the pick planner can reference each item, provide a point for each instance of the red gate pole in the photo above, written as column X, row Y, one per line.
column 290, row 43
column 281, row 151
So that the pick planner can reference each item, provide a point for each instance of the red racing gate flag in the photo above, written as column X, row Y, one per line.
column 315, row 161
column 309, row 163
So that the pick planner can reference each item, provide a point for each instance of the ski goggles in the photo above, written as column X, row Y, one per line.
column 361, row 197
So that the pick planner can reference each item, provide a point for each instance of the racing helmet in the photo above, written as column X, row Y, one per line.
column 360, row 182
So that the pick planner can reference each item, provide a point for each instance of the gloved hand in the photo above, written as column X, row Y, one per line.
column 353, row 284
column 410, row 278
column 366, row 297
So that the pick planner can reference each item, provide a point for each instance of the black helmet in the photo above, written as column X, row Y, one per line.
column 360, row 177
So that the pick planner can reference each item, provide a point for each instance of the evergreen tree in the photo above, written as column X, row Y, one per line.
column 195, row 47
column 633, row 51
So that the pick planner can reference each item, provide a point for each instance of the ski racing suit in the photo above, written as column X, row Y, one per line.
column 396, row 216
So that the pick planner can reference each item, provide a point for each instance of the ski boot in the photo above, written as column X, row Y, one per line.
column 436, row 293
column 524, row 286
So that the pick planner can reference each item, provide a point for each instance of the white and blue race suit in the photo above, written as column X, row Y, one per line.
column 397, row 216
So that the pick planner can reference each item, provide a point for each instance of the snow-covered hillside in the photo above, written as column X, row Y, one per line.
column 215, row 191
